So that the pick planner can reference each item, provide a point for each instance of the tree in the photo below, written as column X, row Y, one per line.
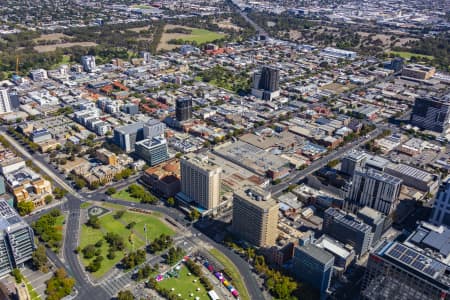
column 48, row 199
column 59, row 192
column 125, row 295
column 89, row 251
column 194, row 215
column 133, row 259
column 39, row 258
column 17, row 275
column 93, row 222
column 131, row 225
column 25, row 207
column 111, row 190
column 171, row 201
column 119, row 214
column 115, row 241
column 174, row 255
column 59, row 286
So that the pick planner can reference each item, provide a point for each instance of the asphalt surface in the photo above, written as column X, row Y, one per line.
column 297, row 175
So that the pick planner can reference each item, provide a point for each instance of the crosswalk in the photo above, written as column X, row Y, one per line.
column 116, row 282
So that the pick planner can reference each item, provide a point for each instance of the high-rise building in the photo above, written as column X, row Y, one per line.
column 266, row 84
column 16, row 239
column 153, row 150
column 374, row 189
column 352, row 160
column 154, row 128
column 314, row 266
column 183, row 109
column 126, row 136
column 441, row 206
column 255, row 216
column 348, row 229
column 88, row 62
column 200, row 180
column 416, row 269
column 5, row 103
column 431, row 113
column 374, row 219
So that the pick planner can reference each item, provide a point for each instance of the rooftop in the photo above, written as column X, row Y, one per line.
column 256, row 196
column 317, row 253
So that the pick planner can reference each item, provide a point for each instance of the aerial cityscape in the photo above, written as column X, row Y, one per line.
column 225, row 149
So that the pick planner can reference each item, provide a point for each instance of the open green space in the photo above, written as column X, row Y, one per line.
column 202, row 36
column 125, row 196
column 65, row 61
column 184, row 284
column 90, row 236
column 85, row 204
column 408, row 55
column 155, row 227
column 233, row 272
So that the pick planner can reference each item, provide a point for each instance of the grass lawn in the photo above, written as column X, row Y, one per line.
column 109, row 224
column 155, row 227
column 65, row 61
column 185, row 285
column 408, row 55
column 202, row 36
column 232, row 272
column 85, row 204
column 124, row 195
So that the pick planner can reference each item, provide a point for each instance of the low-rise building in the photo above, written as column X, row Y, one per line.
column 164, row 179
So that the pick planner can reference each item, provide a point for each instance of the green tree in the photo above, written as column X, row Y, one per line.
column 39, row 258
column 194, row 215
column 111, row 190
column 59, row 286
column 17, row 275
column 48, row 199
column 171, row 201
column 25, row 207
column 125, row 295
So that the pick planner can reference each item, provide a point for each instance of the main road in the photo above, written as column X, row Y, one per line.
column 86, row 290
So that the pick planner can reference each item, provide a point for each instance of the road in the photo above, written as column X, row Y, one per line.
column 296, row 176
column 258, row 28
column 86, row 290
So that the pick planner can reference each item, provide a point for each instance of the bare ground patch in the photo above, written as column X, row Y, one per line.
column 49, row 48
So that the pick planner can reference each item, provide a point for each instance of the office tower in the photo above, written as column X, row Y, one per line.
column 348, row 229
column 441, row 206
column 266, row 84
column 183, row 109
column 200, row 180
column 38, row 74
column 5, row 103
column 374, row 189
column 269, row 80
column 416, row 269
column 146, row 56
column 153, row 150
column 16, row 239
column 255, row 216
column 314, row 266
column 88, row 63
column 154, row 128
column 431, row 113
column 374, row 219
column 395, row 65
column 126, row 136
column 352, row 160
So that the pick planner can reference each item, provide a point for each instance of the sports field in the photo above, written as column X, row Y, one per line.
column 408, row 55
column 197, row 35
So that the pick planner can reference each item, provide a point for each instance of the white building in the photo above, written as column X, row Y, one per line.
column 38, row 74
column 88, row 63
column 5, row 103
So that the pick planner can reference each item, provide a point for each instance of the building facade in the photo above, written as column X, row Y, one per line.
column 183, row 109
column 374, row 189
column 255, row 216
column 88, row 63
column 441, row 207
column 314, row 266
column 16, row 239
column 154, row 151
column 126, row 136
column 431, row 113
column 415, row 269
column 348, row 229
column 5, row 103
column 200, row 180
